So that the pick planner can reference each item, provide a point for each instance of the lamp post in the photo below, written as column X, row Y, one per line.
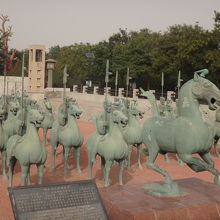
column 50, row 67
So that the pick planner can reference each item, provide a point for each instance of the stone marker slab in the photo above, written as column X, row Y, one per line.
column 67, row 201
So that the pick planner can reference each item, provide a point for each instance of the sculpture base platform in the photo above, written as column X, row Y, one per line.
column 202, row 201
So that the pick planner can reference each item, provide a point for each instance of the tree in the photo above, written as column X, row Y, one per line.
column 5, row 34
column 213, row 52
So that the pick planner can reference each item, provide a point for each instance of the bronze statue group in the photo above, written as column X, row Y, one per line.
column 117, row 131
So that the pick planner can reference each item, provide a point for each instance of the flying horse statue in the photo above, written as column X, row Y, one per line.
column 162, row 135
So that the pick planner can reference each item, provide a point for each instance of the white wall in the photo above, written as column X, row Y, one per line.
column 12, row 83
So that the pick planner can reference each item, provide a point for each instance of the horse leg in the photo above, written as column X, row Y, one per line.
column 11, row 170
column 54, row 149
column 207, row 158
column 24, row 174
column 77, row 152
column 199, row 165
column 4, row 165
column 40, row 169
column 66, row 155
column 166, row 158
column 29, row 176
column 215, row 146
column 129, row 156
column 120, row 172
column 139, row 149
column 90, row 165
column 45, row 136
column 153, row 152
column 179, row 161
column 103, row 166
column 108, row 165
column 63, row 154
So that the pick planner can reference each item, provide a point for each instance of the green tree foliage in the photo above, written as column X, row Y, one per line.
column 184, row 48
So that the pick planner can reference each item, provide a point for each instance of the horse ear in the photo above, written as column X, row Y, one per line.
column 196, row 77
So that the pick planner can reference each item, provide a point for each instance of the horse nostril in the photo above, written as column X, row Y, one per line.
column 213, row 100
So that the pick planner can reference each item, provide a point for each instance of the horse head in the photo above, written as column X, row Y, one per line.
column 13, row 108
column 134, row 111
column 74, row 110
column 203, row 89
column 3, row 112
column 35, row 117
column 47, row 104
column 169, row 105
column 119, row 118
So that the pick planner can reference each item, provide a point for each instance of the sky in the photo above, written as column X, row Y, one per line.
column 65, row 22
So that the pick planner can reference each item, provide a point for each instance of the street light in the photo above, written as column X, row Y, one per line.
column 50, row 67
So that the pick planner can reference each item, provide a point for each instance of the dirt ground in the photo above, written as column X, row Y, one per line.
column 133, row 176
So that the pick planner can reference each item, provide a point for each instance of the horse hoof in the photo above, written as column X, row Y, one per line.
column 217, row 180
column 181, row 163
column 140, row 167
column 5, row 178
column 79, row 172
column 107, row 184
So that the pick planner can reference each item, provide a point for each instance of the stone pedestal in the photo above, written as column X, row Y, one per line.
column 84, row 89
column 169, row 94
column 74, row 88
column 202, row 201
column 108, row 90
column 96, row 90
column 135, row 93
column 120, row 92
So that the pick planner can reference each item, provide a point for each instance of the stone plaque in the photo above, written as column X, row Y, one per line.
column 67, row 201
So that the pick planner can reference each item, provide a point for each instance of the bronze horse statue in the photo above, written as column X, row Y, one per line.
column 185, row 135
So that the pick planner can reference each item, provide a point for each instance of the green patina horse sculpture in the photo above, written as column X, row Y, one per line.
column 66, row 132
column 27, row 149
column 47, row 123
column 110, row 147
column 12, row 117
column 163, row 135
column 132, row 133
column 2, row 141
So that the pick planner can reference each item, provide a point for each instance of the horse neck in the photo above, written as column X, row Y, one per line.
column 32, row 132
column 71, row 120
column 48, row 111
column 133, row 120
column 188, row 105
column 115, row 130
column 1, row 128
column 10, row 115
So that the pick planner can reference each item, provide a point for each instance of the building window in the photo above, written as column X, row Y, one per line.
column 38, row 56
column 38, row 72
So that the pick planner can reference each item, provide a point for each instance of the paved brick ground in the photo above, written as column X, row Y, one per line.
column 135, row 176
